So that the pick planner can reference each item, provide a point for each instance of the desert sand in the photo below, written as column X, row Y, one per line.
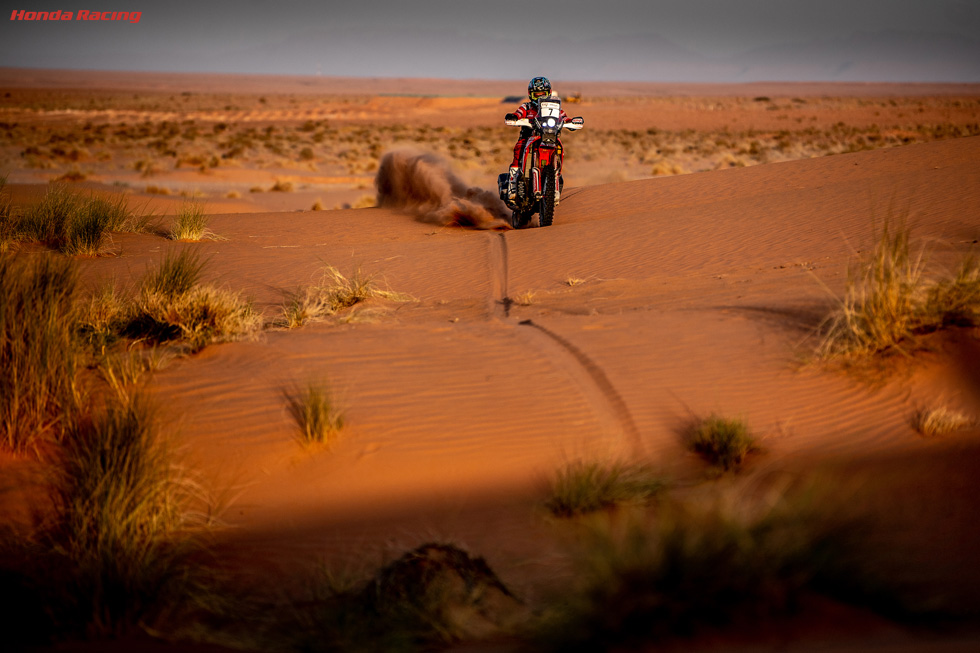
column 648, row 301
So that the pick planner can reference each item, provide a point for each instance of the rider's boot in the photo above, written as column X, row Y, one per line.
column 512, row 183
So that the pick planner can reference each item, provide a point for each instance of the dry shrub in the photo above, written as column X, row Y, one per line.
column 721, row 441
column 282, row 186
column 525, row 298
column 38, row 349
column 190, row 223
column 120, row 542
column 333, row 293
column 697, row 566
column 939, row 421
column 77, row 223
column 316, row 413
column 889, row 300
column 664, row 168
column 956, row 301
column 365, row 202
column 202, row 316
column 102, row 317
column 583, row 486
column 880, row 304
column 74, row 174
column 177, row 273
column 9, row 222
column 172, row 306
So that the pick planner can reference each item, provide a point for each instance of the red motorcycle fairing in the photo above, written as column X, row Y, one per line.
column 537, row 155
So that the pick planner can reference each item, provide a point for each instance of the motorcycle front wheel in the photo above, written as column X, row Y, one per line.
column 547, row 211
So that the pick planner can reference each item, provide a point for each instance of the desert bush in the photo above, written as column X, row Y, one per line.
column 305, row 305
column 76, row 223
column 939, row 421
column 177, row 273
column 39, row 391
column 170, row 305
column 46, row 221
column 199, row 317
column 581, row 487
column 880, row 305
column 955, row 301
column 9, row 222
column 332, row 293
column 316, row 413
column 102, row 317
column 721, row 441
column 695, row 567
column 191, row 223
column 282, row 186
column 120, row 537
column 74, row 174
column 525, row 298
column 889, row 300
column 365, row 202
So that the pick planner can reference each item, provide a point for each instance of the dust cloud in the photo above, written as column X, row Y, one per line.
column 423, row 185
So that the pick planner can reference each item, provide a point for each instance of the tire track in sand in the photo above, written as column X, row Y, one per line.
column 500, row 302
column 608, row 405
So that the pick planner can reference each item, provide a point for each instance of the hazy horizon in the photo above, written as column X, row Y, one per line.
column 616, row 40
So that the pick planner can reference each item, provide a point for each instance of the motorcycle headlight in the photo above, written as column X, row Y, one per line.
column 550, row 122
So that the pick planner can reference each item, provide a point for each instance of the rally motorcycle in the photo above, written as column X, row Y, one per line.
column 539, row 181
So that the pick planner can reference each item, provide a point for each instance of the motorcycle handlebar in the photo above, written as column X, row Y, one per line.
column 525, row 122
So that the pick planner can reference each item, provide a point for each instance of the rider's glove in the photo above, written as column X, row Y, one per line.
column 510, row 116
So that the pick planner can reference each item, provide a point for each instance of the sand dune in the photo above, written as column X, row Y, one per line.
column 647, row 302
column 697, row 293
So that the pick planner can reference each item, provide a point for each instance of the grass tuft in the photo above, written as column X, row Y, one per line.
column 937, row 422
column 316, row 413
column 191, row 223
column 889, row 300
column 172, row 306
column 176, row 274
column 201, row 316
column 9, row 222
column 121, row 535
column 332, row 294
column 38, row 349
column 525, row 298
column 695, row 567
column 721, row 441
column 956, row 301
column 581, row 487
column 76, row 223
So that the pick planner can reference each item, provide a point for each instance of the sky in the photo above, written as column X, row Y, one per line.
column 651, row 40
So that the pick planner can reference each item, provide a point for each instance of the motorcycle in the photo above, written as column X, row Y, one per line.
column 539, row 182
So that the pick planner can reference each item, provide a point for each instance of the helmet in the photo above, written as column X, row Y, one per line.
column 538, row 87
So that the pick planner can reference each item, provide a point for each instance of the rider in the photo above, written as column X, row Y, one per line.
column 537, row 88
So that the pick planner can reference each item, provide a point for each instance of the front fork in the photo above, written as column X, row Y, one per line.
column 544, row 157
